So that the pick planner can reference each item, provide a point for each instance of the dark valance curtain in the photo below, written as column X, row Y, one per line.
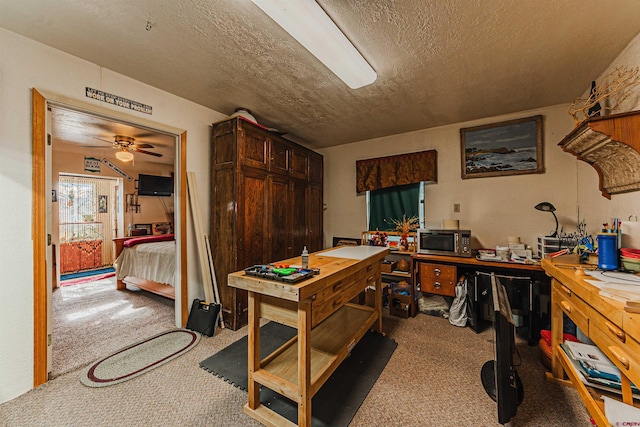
column 392, row 171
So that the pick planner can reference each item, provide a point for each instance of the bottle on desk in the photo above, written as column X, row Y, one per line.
column 305, row 258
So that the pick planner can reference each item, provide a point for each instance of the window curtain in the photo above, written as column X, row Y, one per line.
column 392, row 203
column 392, row 171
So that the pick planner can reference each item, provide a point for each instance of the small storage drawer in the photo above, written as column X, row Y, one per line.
column 328, row 300
column 573, row 306
column 619, row 353
column 438, row 279
column 438, row 271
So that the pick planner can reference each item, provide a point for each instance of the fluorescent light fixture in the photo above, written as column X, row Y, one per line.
column 306, row 22
column 124, row 155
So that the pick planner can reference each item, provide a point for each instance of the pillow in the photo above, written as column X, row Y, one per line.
column 148, row 239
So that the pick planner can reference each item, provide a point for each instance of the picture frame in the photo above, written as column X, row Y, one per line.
column 145, row 227
column 102, row 204
column 346, row 241
column 512, row 147
column 159, row 228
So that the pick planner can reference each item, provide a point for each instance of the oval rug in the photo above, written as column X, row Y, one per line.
column 140, row 357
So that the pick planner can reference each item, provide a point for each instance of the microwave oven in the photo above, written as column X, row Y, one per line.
column 444, row 242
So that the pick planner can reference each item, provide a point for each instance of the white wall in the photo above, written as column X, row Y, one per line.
column 493, row 208
column 25, row 64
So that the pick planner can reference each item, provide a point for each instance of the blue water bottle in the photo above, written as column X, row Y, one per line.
column 608, row 251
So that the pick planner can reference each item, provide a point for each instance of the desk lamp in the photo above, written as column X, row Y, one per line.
column 548, row 207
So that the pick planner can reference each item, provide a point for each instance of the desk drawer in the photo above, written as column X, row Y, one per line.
column 438, row 271
column 327, row 301
column 438, row 279
column 573, row 306
column 623, row 355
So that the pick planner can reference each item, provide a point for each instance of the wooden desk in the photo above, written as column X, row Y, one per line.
column 604, row 321
column 328, row 324
column 450, row 268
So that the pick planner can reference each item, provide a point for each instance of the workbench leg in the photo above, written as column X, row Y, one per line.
column 378, row 305
column 304, row 363
column 557, row 329
column 253, row 340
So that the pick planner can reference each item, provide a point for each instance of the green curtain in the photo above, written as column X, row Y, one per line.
column 392, row 203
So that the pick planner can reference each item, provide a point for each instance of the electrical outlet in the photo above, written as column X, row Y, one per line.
column 456, row 207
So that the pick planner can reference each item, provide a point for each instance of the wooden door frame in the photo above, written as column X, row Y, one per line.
column 39, row 212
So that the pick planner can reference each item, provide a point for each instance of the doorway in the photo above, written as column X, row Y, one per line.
column 41, row 110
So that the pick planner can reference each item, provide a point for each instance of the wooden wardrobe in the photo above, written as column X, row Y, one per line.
column 266, row 204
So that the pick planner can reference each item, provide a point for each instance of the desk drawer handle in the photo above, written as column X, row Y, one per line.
column 337, row 287
column 369, row 268
column 620, row 355
column 615, row 331
column 371, row 279
column 436, row 272
column 566, row 306
column 436, row 285
column 565, row 290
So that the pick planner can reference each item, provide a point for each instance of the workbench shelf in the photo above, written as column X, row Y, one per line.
column 331, row 342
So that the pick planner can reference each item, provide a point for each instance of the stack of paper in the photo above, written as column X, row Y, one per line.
column 619, row 413
column 632, row 306
column 616, row 285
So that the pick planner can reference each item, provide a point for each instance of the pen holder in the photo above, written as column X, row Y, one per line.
column 608, row 251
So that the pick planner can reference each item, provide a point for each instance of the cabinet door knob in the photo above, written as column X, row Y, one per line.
column 620, row 356
column 615, row 331
column 565, row 306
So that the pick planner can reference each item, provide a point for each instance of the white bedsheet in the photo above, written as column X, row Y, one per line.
column 154, row 261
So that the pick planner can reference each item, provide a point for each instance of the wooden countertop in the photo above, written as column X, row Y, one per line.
column 334, row 264
column 472, row 261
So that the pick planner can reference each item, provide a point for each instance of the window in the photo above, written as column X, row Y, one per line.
column 387, row 204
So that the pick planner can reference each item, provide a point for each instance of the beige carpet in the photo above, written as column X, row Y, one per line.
column 432, row 379
column 93, row 319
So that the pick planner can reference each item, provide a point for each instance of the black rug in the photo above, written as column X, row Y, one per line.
column 339, row 398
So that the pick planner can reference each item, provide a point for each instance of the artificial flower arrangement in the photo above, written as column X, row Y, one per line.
column 378, row 239
column 404, row 227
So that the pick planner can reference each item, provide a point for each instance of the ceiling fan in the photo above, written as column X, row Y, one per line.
column 126, row 146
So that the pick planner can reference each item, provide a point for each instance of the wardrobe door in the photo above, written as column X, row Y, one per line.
column 298, row 223
column 277, row 230
column 314, row 219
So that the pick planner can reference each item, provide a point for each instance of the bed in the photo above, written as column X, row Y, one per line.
column 147, row 263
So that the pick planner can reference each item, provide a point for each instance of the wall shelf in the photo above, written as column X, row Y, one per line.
column 611, row 144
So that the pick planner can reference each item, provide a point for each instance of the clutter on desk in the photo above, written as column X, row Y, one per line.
column 515, row 251
column 281, row 273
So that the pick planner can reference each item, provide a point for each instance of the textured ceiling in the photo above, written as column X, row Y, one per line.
column 438, row 62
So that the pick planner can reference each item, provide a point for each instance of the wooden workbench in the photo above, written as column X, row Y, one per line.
column 604, row 320
column 328, row 325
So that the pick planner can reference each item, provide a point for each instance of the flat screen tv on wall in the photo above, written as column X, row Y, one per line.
column 153, row 185
column 499, row 376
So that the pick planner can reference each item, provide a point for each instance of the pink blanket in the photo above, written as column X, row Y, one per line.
column 148, row 239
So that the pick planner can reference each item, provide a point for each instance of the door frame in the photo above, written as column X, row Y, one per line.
column 41, row 302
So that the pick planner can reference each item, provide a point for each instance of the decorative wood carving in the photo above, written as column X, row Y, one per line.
column 611, row 144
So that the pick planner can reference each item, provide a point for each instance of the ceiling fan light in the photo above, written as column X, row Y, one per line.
column 124, row 156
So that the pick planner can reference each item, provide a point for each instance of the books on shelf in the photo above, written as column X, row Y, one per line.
column 594, row 368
